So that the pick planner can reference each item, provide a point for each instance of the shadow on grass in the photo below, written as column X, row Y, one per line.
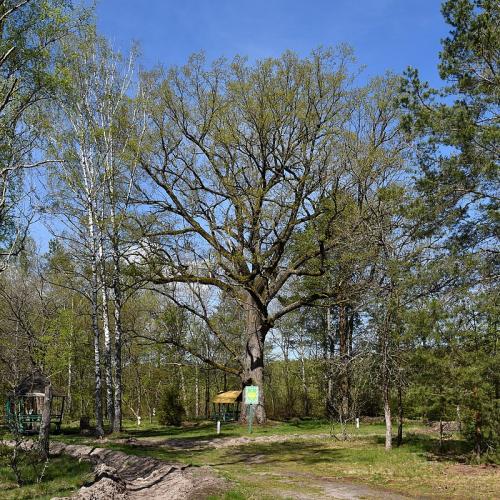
column 196, row 431
column 311, row 453
column 192, row 444
column 307, row 453
column 169, row 431
column 250, row 453
column 429, row 447
column 205, row 432
column 199, row 431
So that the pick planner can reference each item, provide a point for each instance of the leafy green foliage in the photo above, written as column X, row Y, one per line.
column 457, row 148
column 170, row 411
column 29, row 35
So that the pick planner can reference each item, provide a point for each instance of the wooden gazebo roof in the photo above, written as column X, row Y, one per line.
column 34, row 385
column 228, row 397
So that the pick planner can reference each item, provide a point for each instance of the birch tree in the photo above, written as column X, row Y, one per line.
column 92, row 114
column 30, row 32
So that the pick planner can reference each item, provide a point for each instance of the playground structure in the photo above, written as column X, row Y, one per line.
column 24, row 405
column 226, row 406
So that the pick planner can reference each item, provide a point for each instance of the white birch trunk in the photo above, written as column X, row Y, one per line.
column 70, row 380
column 386, row 388
column 97, row 356
column 108, row 373
column 88, row 178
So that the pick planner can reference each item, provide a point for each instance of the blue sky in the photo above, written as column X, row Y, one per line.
column 385, row 34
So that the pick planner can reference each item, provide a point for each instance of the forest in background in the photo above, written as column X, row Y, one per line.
column 228, row 223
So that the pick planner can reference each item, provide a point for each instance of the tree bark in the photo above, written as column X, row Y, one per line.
column 108, row 371
column 253, row 362
column 43, row 440
column 253, row 374
column 386, row 390
column 117, row 302
column 478, row 434
column 99, row 428
column 344, row 362
column 88, row 173
column 69, row 393
column 330, row 353
column 207, row 392
column 288, row 389
column 117, row 364
column 387, row 415
column 400, row 415
column 478, row 424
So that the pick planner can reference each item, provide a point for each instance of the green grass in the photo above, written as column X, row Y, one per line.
column 304, row 463
column 62, row 476
column 260, row 469
column 301, row 466
column 206, row 430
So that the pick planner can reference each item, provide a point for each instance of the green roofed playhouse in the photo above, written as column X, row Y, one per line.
column 24, row 405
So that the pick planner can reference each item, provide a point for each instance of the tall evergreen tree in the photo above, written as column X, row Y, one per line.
column 458, row 149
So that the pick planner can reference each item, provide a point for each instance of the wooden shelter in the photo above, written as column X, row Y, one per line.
column 227, row 406
column 24, row 405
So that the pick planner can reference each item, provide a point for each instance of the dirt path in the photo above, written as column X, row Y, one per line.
column 120, row 476
column 326, row 488
column 322, row 487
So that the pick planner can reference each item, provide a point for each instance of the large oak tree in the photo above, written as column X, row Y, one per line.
column 250, row 173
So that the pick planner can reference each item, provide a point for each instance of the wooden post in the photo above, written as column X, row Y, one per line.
column 45, row 423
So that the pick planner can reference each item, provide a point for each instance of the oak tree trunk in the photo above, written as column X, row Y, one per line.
column 253, row 362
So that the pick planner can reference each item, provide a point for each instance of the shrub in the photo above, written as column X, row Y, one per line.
column 170, row 411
